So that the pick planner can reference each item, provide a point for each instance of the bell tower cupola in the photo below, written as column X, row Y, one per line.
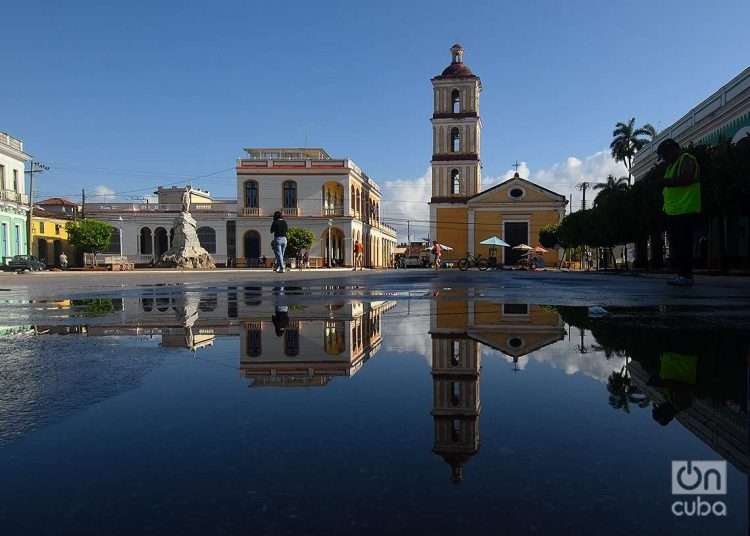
column 456, row 128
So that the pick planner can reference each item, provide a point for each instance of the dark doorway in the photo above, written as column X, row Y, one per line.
column 515, row 233
column 43, row 247
column 161, row 241
column 252, row 247
column 57, row 248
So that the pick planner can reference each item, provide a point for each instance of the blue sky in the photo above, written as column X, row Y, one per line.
column 127, row 95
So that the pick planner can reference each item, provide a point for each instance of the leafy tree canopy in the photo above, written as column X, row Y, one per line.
column 90, row 236
column 297, row 240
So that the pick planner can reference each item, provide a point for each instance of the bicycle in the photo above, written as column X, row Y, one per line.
column 470, row 260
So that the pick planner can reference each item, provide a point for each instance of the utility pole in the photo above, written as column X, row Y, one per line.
column 408, row 232
column 570, row 204
column 34, row 167
column 583, row 186
column 83, row 203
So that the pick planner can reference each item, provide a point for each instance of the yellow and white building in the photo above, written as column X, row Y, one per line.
column 462, row 214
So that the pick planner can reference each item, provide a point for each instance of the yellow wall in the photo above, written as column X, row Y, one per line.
column 489, row 223
column 452, row 230
column 50, row 231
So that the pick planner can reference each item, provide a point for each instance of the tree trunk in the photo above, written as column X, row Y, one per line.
column 723, row 264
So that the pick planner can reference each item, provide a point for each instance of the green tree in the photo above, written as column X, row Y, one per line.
column 298, row 239
column 548, row 236
column 612, row 186
column 628, row 140
column 89, row 236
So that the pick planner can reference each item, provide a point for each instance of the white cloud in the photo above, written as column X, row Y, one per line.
column 104, row 193
column 407, row 198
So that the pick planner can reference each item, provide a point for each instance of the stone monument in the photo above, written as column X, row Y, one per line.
column 186, row 251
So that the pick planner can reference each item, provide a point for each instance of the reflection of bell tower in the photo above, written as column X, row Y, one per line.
column 456, row 168
column 455, row 400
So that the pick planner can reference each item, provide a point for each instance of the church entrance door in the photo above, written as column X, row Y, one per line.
column 516, row 232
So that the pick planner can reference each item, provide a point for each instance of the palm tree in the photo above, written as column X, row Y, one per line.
column 612, row 186
column 628, row 140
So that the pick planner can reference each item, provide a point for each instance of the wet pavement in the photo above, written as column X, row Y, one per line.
column 370, row 404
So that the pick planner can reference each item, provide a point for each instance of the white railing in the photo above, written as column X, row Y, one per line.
column 10, row 141
column 14, row 197
column 251, row 211
column 333, row 211
column 296, row 211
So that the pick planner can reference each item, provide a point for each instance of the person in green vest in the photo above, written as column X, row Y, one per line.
column 682, row 202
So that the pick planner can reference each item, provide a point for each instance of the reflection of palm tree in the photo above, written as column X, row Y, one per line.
column 621, row 391
column 628, row 140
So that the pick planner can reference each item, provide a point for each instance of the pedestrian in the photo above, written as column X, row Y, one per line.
column 437, row 250
column 279, row 229
column 358, row 250
column 306, row 259
column 63, row 261
column 682, row 203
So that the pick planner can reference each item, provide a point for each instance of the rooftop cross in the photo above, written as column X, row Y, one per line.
column 516, row 165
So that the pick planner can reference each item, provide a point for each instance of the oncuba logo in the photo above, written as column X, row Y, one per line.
column 705, row 477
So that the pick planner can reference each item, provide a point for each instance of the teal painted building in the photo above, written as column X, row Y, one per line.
column 14, row 203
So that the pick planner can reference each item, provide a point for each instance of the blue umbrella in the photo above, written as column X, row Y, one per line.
column 495, row 241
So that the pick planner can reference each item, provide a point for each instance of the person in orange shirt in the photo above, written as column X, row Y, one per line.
column 358, row 250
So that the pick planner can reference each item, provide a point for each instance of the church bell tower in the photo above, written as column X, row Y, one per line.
column 456, row 126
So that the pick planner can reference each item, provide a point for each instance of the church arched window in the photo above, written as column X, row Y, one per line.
column 455, row 140
column 455, row 182
column 456, row 101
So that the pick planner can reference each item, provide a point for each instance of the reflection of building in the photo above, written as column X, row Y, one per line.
column 310, row 348
column 717, row 425
column 459, row 329
column 455, row 400
column 463, row 215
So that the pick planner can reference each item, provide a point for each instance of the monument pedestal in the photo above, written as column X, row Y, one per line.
column 186, row 251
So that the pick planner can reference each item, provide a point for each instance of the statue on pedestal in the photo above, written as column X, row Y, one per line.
column 186, row 251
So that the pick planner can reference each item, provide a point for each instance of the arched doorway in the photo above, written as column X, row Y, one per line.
column 43, row 248
column 161, row 241
column 251, row 248
column 146, row 241
column 332, row 244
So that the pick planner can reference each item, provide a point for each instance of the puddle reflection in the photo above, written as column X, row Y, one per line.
column 485, row 358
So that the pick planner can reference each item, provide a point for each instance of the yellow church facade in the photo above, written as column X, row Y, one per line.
column 461, row 214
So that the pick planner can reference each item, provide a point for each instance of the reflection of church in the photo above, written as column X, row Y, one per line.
column 459, row 330
column 307, row 348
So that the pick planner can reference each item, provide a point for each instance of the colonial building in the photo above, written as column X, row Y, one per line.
column 48, row 230
column 723, row 115
column 461, row 214
column 14, row 204
column 332, row 198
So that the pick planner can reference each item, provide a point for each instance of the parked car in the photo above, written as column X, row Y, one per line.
column 21, row 263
